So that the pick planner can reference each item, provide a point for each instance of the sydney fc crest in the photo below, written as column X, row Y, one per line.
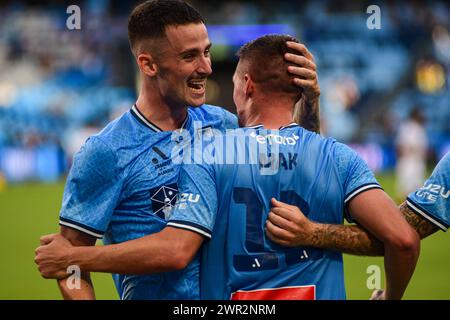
column 163, row 200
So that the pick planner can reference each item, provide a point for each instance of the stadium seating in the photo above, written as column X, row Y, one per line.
column 55, row 82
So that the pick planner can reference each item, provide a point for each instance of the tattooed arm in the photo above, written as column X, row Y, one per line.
column 374, row 210
column 307, row 109
column 358, row 241
column 351, row 239
column 307, row 114
column 423, row 227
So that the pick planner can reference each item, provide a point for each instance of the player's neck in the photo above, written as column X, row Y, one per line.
column 158, row 112
column 270, row 115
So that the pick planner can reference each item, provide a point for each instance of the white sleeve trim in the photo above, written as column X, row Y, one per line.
column 189, row 227
column 79, row 228
column 361, row 189
column 425, row 215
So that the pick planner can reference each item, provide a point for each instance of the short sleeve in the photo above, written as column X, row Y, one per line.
column 354, row 173
column 196, row 206
column 432, row 200
column 92, row 189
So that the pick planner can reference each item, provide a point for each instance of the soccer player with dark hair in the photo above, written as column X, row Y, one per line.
column 123, row 181
column 227, row 202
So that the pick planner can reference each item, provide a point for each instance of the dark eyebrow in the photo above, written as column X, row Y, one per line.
column 195, row 50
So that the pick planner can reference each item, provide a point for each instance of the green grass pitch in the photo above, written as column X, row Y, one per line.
column 30, row 210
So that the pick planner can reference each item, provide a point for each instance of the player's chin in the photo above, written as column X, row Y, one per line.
column 197, row 101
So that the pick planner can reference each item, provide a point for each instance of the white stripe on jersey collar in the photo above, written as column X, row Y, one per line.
column 293, row 124
column 258, row 126
column 152, row 126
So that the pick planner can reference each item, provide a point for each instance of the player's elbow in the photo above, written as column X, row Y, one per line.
column 179, row 262
column 406, row 241
column 182, row 257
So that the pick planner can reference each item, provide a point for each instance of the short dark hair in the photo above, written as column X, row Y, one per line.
column 150, row 19
column 264, row 60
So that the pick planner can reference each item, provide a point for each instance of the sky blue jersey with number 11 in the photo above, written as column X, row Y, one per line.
column 228, row 200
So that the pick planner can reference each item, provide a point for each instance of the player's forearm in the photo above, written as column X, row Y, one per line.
column 347, row 239
column 423, row 227
column 399, row 264
column 356, row 240
column 140, row 256
column 307, row 114
column 74, row 289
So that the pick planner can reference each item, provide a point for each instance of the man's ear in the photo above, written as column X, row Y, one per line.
column 147, row 64
column 249, row 85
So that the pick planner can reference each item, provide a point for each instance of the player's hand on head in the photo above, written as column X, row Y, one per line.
column 287, row 225
column 52, row 256
column 305, row 71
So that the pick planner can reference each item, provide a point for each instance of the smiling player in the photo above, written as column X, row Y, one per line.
column 123, row 182
column 229, row 203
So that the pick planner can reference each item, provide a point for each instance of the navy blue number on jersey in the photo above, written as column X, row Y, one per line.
column 259, row 258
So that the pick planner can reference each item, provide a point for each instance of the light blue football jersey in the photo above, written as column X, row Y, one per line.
column 122, row 185
column 432, row 200
column 226, row 197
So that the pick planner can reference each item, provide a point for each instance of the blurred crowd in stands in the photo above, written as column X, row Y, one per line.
column 58, row 86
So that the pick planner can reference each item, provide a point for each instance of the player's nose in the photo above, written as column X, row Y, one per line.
column 204, row 66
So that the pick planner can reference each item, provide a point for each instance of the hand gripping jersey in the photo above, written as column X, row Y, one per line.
column 122, row 185
column 432, row 200
column 226, row 196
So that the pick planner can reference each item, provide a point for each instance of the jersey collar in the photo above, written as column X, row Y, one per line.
column 259, row 126
column 293, row 124
column 142, row 119
column 256, row 126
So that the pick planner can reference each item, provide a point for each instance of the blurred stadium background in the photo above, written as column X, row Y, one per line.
column 58, row 86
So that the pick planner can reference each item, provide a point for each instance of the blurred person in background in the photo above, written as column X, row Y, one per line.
column 412, row 145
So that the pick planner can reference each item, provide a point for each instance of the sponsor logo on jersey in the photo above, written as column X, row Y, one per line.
column 185, row 198
column 432, row 192
column 272, row 138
